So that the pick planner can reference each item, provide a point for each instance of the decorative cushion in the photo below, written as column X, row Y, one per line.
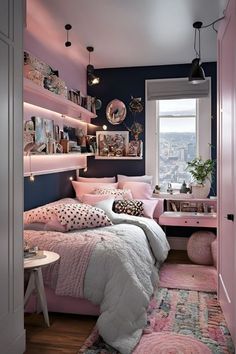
column 82, row 188
column 149, row 207
column 122, row 179
column 199, row 247
column 97, row 180
column 70, row 216
column 115, row 193
column 92, row 199
column 139, row 190
column 131, row 207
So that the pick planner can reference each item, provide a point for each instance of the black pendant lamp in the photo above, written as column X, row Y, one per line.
column 197, row 74
column 92, row 78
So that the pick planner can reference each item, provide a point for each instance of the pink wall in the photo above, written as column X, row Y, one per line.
column 73, row 74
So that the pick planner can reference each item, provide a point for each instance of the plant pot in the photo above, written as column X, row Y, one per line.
column 201, row 191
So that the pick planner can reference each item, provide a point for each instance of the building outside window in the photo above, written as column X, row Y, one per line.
column 177, row 140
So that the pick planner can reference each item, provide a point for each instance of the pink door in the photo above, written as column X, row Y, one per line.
column 226, row 183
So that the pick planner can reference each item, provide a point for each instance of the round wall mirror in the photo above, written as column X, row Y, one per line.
column 115, row 112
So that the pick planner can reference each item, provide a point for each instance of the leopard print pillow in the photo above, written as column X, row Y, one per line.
column 131, row 207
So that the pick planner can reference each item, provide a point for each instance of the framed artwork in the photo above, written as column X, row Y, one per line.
column 112, row 143
column 44, row 129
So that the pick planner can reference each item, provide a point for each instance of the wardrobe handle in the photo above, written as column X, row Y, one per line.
column 230, row 217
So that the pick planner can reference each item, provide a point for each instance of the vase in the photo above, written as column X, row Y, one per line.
column 201, row 191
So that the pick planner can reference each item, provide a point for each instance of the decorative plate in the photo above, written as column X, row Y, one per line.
column 115, row 112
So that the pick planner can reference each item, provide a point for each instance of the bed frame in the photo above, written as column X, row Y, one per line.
column 64, row 304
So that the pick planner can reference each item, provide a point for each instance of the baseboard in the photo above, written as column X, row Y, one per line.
column 178, row 243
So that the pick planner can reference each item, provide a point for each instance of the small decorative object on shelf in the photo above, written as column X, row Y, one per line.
column 169, row 188
column 157, row 189
column 43, row 75
column 135, row 148
column 184, row 188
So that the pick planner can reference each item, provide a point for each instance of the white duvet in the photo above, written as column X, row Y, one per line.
column 122, row 276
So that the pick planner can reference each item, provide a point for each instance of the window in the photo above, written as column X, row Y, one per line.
column 183, row 111
column 177, row 139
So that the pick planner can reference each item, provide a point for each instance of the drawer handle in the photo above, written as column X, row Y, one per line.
column 185, row 221
column 197, row 222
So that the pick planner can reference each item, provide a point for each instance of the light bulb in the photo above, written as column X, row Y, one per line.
column 71, row 178
column 104, row 127
column 31, row 177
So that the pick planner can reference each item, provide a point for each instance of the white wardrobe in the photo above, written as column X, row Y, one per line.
column 226, row 155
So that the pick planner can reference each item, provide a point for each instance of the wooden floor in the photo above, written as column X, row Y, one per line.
column 67, row 333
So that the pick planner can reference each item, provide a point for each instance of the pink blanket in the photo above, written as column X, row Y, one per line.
column 75, row 249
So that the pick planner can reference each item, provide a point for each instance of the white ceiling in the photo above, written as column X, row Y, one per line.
column 125, row 33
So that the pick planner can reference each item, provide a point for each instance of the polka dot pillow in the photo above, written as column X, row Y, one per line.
column 131, row 207
column 70, row 216
column 114, row 193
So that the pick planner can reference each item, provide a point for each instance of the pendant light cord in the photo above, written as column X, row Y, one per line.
column 213, row 23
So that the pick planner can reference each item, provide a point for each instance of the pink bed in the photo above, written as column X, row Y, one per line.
column 106, row 258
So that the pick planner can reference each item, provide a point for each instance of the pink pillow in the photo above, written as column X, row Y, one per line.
column 97, row 180
column 67, row 216
column 139, row 190
column 149, row 206
column 42, row 219
column 92, row 199
column 82, row 188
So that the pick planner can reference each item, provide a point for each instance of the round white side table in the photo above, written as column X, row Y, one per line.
column 34, row 266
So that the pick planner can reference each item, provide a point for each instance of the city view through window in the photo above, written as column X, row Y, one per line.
column 177, row 140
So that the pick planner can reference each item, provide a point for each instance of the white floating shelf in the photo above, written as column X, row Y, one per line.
column 51, row 163
column 118, row 157
column 39, row 96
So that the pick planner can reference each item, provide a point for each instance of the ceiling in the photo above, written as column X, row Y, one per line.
column 125, row 33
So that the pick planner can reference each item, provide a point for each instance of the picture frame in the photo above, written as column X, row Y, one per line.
column 44, row 129
column 112, row 143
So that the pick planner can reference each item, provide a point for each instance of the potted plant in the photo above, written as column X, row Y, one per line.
column 201, row 171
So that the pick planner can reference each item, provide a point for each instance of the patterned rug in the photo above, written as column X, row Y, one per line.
column 189, row 277
column 195, row 315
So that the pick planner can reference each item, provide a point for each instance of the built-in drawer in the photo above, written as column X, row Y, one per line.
column 188, row 219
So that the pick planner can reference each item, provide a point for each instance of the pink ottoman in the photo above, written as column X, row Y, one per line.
column 214, row 252
column 199, row 247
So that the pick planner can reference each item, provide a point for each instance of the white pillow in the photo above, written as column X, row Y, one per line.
column 122, row 178
column 116, row 193
column 97, row 180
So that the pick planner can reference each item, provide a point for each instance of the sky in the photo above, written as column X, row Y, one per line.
column 177, row 116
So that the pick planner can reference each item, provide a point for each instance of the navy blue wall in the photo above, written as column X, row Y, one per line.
column 47, row 188
column 120, row 83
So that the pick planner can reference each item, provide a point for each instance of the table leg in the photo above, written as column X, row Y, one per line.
column 30, row 287
column 41, row 294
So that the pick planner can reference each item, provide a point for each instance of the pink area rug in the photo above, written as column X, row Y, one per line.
column 189, row 277
column 179, row 322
